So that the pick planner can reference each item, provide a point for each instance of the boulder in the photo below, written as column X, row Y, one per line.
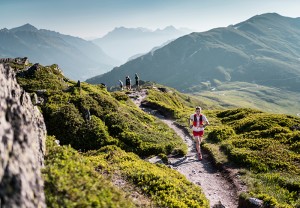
column 250, row 203
column 22, row 145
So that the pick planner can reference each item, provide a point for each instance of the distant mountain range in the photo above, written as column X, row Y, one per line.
column 264, row 49
column 123, row 43
column 78, row 58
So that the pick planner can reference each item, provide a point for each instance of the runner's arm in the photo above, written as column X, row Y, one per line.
column 206, row 123
column 189, row 122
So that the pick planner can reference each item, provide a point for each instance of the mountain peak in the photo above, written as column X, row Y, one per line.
column 267, row 16
column 261, row 21
column 170, row 27
column 26, row 27
column 4, row 30
column 126, row 29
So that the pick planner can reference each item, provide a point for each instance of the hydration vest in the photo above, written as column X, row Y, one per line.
column 195, row 120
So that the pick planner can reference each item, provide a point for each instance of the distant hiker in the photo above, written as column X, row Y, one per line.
column 137, row 80
column 78, row 83
column 199, row 122
column 128, row 83
column 121, row 85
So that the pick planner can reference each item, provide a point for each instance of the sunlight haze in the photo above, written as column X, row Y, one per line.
column 94, row 18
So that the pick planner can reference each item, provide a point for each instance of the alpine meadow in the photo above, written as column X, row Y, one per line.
column 66, row 142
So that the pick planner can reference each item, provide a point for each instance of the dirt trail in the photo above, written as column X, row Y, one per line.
column 219, row 191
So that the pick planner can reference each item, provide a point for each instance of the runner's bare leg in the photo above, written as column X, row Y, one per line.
column 200, row 140
column 197, row 144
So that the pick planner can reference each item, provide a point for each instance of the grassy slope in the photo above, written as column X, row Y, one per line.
column 166, row 186
column 70, row 177
column 71, row 181
column 114, row 118
column 239, row 94
column 267, row 147
column 262, row 145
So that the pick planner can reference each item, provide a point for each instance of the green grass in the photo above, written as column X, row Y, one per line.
column 165, row 186
column 76, row 180
column 71, row 181
column 70, row 177
column 246, row 95
column 114, row 118
column 261, row 144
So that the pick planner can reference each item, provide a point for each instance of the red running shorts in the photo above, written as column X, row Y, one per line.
column 198, row 133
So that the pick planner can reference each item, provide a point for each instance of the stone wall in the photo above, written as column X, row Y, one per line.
column 22, row 145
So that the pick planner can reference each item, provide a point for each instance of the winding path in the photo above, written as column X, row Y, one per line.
column 219, row 191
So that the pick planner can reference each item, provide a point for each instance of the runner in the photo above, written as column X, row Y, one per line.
column 199, row 122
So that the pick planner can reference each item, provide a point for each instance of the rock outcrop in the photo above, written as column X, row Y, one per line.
column 22, row 145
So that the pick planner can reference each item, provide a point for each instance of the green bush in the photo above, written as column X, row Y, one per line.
column 165, row 186
column 236, row 114
column 71, row 181
column 221, row 133
column 170, row 104
column 295, row 147
column 88, row 117
column 120, row 96
column 65, row 123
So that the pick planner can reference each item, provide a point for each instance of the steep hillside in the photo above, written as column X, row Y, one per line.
column 111, row 134
column 99, row 127
column 123, row 43
column 261, row 149
column 80, row 59
column 264, row 49
column 88, row 117
column 245, row 94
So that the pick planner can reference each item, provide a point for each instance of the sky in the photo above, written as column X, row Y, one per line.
column 95, row 18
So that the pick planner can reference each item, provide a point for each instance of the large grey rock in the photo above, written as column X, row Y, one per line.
column 22, row 146
column 250, row 203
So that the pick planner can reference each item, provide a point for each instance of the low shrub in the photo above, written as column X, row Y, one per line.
column 120, row 96
column 71, row 181
column 220, row 133
column 167, row 187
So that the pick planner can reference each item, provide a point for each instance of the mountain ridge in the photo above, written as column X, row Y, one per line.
column 40, row 45
column 259, row 49
column 122, row 43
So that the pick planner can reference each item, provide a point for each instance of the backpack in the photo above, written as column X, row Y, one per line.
column 195, row 120
column 128, row 81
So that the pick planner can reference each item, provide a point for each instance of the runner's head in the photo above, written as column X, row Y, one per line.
column 198, row 109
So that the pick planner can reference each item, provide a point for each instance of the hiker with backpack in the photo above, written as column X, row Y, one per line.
column 137, row 80
column 121, row 85
column 128, row 83
column 199, row 122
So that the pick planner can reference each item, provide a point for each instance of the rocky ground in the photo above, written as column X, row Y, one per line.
column 22, row 145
